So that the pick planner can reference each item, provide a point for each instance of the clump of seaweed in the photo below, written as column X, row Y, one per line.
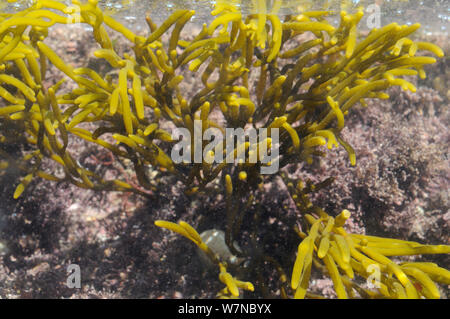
column 305, row 91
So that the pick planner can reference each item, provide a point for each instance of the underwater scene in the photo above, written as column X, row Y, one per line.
column 280, row 149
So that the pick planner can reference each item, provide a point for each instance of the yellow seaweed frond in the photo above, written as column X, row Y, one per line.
column 186, row 230
column 310, row 74
column 341, row 251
